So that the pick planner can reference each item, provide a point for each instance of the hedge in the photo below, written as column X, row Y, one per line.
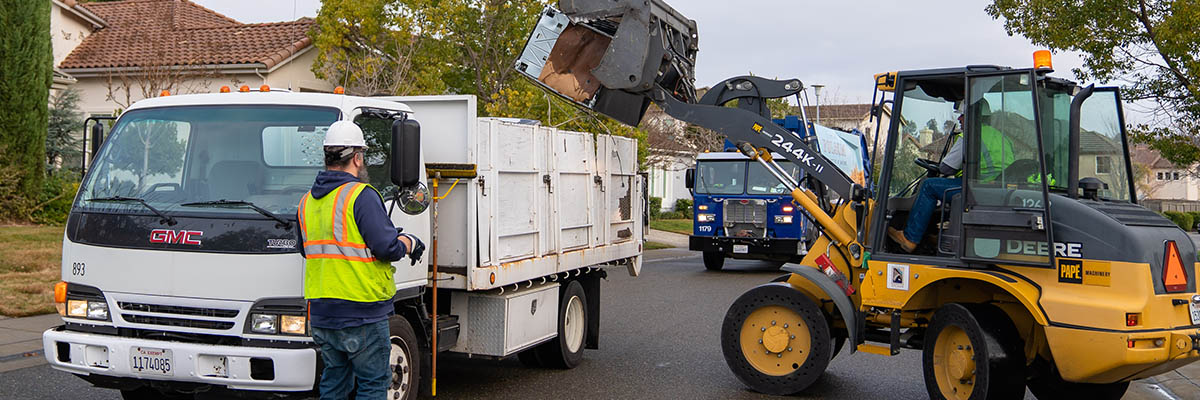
column 1184, row 220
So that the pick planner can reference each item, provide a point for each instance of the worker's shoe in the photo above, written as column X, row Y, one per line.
column 898, row 236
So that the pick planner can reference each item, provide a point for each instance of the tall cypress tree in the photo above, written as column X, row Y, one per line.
column 26, row 71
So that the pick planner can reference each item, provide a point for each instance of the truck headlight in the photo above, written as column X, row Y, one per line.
column 97, row 310
column 783, row 219
column 77, row 308
column 706, row 217
column 264, row 323
column 292, row 324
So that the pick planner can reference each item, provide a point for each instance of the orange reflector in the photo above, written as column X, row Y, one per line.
column 244, row 89
column 164, row 93
column 264, row 88
column 1131, row 343
column 60, row 292
column 339, row 90
column 225, row 89
column 492, row 278
column 1131, row 319
column 1041, row 60
column 1174, row 276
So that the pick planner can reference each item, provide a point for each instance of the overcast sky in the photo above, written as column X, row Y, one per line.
column 839, row 44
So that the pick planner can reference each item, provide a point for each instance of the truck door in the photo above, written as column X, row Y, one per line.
column 1005, row 218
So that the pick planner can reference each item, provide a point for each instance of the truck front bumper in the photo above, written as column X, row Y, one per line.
column 749, row 248
column 1104, row 356
column 106, row 355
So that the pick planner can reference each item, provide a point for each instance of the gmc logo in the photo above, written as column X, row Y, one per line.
column 175, row 237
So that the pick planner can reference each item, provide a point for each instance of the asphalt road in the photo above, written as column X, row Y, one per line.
column 659, row 339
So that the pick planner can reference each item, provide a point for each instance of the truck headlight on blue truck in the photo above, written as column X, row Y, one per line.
column 783, row 219
column 706, row 217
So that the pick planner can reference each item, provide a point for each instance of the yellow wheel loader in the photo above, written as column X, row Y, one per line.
column 1000, row 234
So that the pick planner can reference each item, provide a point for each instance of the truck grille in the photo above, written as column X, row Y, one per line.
column 745, row 217
column 130, row 310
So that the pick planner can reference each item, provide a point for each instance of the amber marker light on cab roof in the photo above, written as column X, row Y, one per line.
column 225, row 89
column 244, row 89
column 1042, row 62
column 164, row 93
column 264, row 88
column 339, row 90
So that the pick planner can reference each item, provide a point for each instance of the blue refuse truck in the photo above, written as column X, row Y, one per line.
column 742, row 212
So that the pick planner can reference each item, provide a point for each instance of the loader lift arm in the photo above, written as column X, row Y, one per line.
column 614, row 55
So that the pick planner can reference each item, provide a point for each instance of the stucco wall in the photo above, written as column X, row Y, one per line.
column 298, row 76
column 67, row 30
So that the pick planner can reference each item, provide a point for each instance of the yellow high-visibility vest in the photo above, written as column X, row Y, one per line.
column 338, row 264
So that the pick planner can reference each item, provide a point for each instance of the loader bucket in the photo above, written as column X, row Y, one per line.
column 608, row 55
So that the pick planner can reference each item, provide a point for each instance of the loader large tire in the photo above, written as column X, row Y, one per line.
column 973, row 351
column 775, row 340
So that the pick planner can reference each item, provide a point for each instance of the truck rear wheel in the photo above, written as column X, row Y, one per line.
column 566, row 351
column 1047, row 383
column 973, row 351
column 713, row 260
column 404, row 360
column 775, row 340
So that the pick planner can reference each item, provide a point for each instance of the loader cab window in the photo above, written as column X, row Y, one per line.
column 927, row 125
column 1101, row 140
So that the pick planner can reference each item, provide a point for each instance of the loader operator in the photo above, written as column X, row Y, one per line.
column 996, row 153
column 349, row 244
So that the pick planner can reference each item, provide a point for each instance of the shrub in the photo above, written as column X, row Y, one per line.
column 655, row 206
column 672, row 215
column 54, row 202
column 1184, row 220
column 1195, row 218
column 684, row 206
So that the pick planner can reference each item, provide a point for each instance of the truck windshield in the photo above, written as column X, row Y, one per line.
column 721, row 177
column 760, row 181
column 267, row 155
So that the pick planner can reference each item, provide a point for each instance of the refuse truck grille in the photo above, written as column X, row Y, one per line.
column 745, row 217
column 163, row 309
column 180, row 322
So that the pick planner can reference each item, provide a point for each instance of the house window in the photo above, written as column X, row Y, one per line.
column 1103, row 165
column 1175, row 176
column 1159, row 175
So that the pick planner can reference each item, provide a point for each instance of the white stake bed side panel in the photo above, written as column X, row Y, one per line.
column 545, row 201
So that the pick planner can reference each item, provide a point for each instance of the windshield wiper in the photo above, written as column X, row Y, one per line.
column 240, row 203
column 166, row 219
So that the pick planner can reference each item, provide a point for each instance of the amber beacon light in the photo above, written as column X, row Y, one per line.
column 1041, row 61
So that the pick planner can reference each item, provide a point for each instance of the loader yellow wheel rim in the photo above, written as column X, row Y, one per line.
column 775, row 340
column 954, row 363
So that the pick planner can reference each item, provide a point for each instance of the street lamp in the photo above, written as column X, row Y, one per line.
column 817, row 89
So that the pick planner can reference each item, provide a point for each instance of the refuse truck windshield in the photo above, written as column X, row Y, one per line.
column 267, row 155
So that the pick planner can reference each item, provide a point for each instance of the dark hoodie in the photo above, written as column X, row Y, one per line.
column 380, row 236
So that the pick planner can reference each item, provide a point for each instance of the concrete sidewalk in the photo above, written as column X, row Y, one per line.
column 21, row 340
column 668, row 238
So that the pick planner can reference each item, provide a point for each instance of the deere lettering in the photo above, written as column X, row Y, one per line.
column 1037, row 248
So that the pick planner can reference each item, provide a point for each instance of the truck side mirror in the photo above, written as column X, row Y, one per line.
column 406, row 153
column 97, row 137
column 689, row 178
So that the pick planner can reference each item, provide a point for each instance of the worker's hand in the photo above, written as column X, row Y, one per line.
column 416, row 248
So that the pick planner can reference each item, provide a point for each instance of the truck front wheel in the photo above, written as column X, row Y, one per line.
column 566, row 351
column 404, row 360
column 713, row 260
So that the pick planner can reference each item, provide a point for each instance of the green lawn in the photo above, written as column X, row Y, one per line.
column 656, row 245
column 681, row 226
column 29, row 268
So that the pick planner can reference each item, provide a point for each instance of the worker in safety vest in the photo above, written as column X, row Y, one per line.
column 996, row 154
column 349, row 246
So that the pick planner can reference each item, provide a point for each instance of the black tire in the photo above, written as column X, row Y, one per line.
column 405, row 377
column 713, row 261
column 1046, row 383
column 558, row 352
column 990, row 336
column 746, row 309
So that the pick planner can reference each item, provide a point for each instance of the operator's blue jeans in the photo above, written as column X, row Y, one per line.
column 932, row 191
column 356, row 352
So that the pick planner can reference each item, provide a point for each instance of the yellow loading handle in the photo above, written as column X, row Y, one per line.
column 809, row 203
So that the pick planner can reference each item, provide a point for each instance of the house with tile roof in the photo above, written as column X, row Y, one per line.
column 117, row 52
column 1162, row 179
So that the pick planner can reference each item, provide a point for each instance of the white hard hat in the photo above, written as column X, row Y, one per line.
column 346, row 134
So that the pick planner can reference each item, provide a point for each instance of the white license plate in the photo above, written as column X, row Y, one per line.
column 1195, row 311
column 151, row 361
column 741, row 248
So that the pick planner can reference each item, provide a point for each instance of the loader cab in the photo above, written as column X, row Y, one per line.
column 1013, row 125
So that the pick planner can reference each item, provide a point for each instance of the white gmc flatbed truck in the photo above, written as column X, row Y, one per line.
column 181, row 264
